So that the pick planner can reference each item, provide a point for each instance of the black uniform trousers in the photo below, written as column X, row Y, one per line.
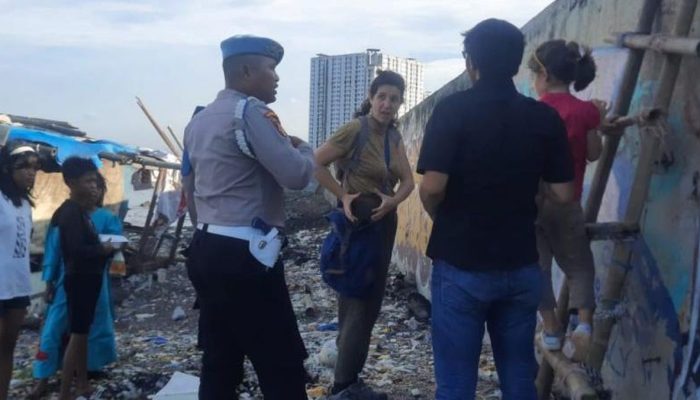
column 245, row 310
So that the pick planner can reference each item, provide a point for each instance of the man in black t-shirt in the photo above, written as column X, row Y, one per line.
column 483, row 156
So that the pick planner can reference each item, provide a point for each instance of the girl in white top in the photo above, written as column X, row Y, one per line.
column 19, row 164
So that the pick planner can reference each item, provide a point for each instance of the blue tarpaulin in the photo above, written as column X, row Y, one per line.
column 67, row 146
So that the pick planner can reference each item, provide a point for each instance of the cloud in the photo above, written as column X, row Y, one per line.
column 69, row 59
column 437, row 73
column 415, row 25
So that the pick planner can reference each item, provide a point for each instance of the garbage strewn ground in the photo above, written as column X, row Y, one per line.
column 157, row 329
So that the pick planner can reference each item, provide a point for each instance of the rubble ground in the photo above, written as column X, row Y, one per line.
column 155, row 338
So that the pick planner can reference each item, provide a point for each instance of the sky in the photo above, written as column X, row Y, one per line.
column 85, row 61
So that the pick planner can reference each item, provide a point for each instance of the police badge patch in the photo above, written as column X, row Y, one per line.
column 276, row 122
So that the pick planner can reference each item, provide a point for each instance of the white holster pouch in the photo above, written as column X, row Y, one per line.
column 264, row 247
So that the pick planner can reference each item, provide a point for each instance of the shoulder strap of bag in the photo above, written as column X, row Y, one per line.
column 357, row 146
column 387, row 146
column 387, row 158
column 360, row 142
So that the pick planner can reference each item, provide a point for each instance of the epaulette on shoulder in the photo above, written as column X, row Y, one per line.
column 239, row 127
column 254, row 101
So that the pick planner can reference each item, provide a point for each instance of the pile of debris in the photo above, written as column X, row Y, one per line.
column 157, row 328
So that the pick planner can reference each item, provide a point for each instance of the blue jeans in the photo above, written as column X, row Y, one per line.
column 462, row 302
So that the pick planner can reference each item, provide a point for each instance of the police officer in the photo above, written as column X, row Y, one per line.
column 240, row 159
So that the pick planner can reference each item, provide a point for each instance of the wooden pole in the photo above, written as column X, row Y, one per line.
column 650, row 140
column 612, row 230
column 621, row 107
column 147, row 229
column 177, row 141
column 545, row 374
column 178, row 237
column 174, row 149
column 121, row 159
column 661, row 43
column 575, row 380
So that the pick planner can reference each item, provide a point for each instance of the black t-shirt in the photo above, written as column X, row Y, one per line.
column 80, row 244
column 495, row 144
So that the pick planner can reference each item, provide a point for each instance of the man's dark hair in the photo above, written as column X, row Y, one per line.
column 7, row 167
column 75, row 167
column 495, row 48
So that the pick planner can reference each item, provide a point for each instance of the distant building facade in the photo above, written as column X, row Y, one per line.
column 340, row 83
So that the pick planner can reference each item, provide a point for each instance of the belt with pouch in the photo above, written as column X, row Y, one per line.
column 265, row 247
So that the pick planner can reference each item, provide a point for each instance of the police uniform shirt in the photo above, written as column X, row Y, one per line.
column 230, row 187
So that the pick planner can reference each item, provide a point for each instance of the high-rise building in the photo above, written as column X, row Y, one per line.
column 340, row 83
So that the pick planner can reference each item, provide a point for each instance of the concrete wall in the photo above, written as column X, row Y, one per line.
column 646, row 345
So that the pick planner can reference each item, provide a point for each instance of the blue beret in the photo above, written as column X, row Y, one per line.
column 246, row 44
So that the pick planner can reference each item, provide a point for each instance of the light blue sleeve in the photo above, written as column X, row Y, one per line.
column 107, row 222
column 114, row 225
column 51, row 264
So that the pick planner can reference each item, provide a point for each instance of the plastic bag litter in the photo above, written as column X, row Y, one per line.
column 180, row 387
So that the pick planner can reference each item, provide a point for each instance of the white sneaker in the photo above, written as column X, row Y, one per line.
column 578, row 343
column 550, row 342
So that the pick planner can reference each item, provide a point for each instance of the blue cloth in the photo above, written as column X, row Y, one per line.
column 68, row 146
column 246, row 44
column 350, row 255
column 462, row 302
column 186, row 166
column 101, row 340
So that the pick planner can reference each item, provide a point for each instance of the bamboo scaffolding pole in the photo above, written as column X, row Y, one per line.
column 659, row 43
column 575, row 380
column 621, row 107
column 148, row 227
column 174, row 149
column 175, row 138
column 612, row 230
column 178, row 238
column 602, row 173
column 139, row 160
column 650, row 141
column 545, row 374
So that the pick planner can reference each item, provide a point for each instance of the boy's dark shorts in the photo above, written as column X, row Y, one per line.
column 14, row 303
column 82, row 291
